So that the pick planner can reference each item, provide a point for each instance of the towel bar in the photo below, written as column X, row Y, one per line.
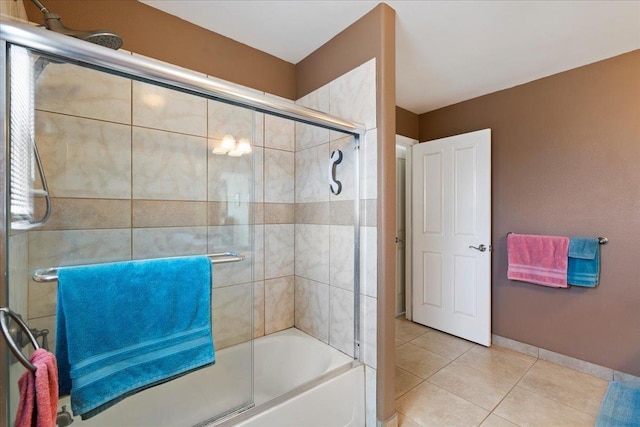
column 601, row 240
column 44, row 275
column 4, row 312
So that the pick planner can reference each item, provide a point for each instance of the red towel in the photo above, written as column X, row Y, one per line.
column 542, row 260
column 38, row 404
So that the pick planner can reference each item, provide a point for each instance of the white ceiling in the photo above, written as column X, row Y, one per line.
column 446, row 51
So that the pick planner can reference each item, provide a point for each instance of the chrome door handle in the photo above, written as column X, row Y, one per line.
column 480, row 248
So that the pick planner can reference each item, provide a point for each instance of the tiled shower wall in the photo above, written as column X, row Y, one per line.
column 132, row 176
column 324, row 235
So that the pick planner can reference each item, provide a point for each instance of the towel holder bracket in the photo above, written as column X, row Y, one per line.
column 9, row 337
column 601, row 240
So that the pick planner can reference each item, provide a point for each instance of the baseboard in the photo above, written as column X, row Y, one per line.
column 563, row 360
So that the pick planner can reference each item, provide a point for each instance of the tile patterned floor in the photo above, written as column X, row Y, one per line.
column 446, row 381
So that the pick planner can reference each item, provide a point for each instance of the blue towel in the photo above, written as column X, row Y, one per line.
column 584, row 262
column 620, row 406
column 124, row 327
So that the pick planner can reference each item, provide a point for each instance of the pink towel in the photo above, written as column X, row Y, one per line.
column 38, row 404
column 542, row 260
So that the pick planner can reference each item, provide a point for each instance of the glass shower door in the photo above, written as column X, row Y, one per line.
column 134, row 171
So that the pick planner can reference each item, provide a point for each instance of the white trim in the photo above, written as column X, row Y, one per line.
column 407, row 143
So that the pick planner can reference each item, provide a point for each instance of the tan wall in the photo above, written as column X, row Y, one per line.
column 565, row 158
column 407, row 123
column 151, row 32
column 372, row 36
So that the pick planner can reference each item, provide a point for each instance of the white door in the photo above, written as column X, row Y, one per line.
column 452, row 235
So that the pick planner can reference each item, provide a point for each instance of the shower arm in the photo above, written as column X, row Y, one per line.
column 42, row 8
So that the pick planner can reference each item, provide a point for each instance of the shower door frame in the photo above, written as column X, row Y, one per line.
column 151, row 71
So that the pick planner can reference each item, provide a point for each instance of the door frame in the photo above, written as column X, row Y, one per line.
column 408, row 143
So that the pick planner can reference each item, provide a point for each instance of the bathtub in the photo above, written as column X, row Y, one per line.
column 286, row 366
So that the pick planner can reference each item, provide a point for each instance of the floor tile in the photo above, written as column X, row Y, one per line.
column 419, row 361
column 442, row 344
column 431, row 405
column 405, row 381
column 407, row 330
column 399, row 342
column 526, row 408
column 495, row 421
column 498, row 361
column 572, row 388
column 404, row 421
column 477, row 387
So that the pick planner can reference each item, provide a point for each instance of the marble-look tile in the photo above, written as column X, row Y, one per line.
column 572, row 388
column 258, row 309
column 42, row 323
column 78, row 91
column 84, row 214
column 431, row 405
column 279, row 173
column 345, row 170
column 369, row 261
column 72, row 247
column 19, row 277
column 443, row 344
column 368, row 212
column 515, row 345
column 312, row 308
column 419, row 361
column 233, row 213
column 407, row 330
column 369, row 166
column 258, row 249
column 311, row 174
column 312, row 213
column 308, row 136
column 258, row 174
column 498, row 361
column 353, row 95
column 577, row 364
column 341, row 256
column 231, row 308
column 312, row 252
column 168, row 166
column 167, row 109
column 341, row 320
column 341, row 213
column 258, row 129
column 169, row 241
column 83, row 157
column 231, row 179
column 279, row 252
column 279, row 213
column 404, row 421
column 405, row 381
column 233, row 238
column 279, row 133
column 625, row 378
column 278, row 304
column 526, row 408
column 258, row 213
column 477, row 387
column 167, row 213
column 369, row 330
column 230, row 119
column 370, row 396
column 495, row 421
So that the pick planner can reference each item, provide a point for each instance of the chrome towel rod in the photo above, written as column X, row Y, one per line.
column 601, row 240
column 43, row 275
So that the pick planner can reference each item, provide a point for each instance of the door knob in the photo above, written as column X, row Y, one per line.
column 480, row 248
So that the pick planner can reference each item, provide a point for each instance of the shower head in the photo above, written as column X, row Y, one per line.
column 100, row 37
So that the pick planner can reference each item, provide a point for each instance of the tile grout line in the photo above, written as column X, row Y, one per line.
column 558, row 402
